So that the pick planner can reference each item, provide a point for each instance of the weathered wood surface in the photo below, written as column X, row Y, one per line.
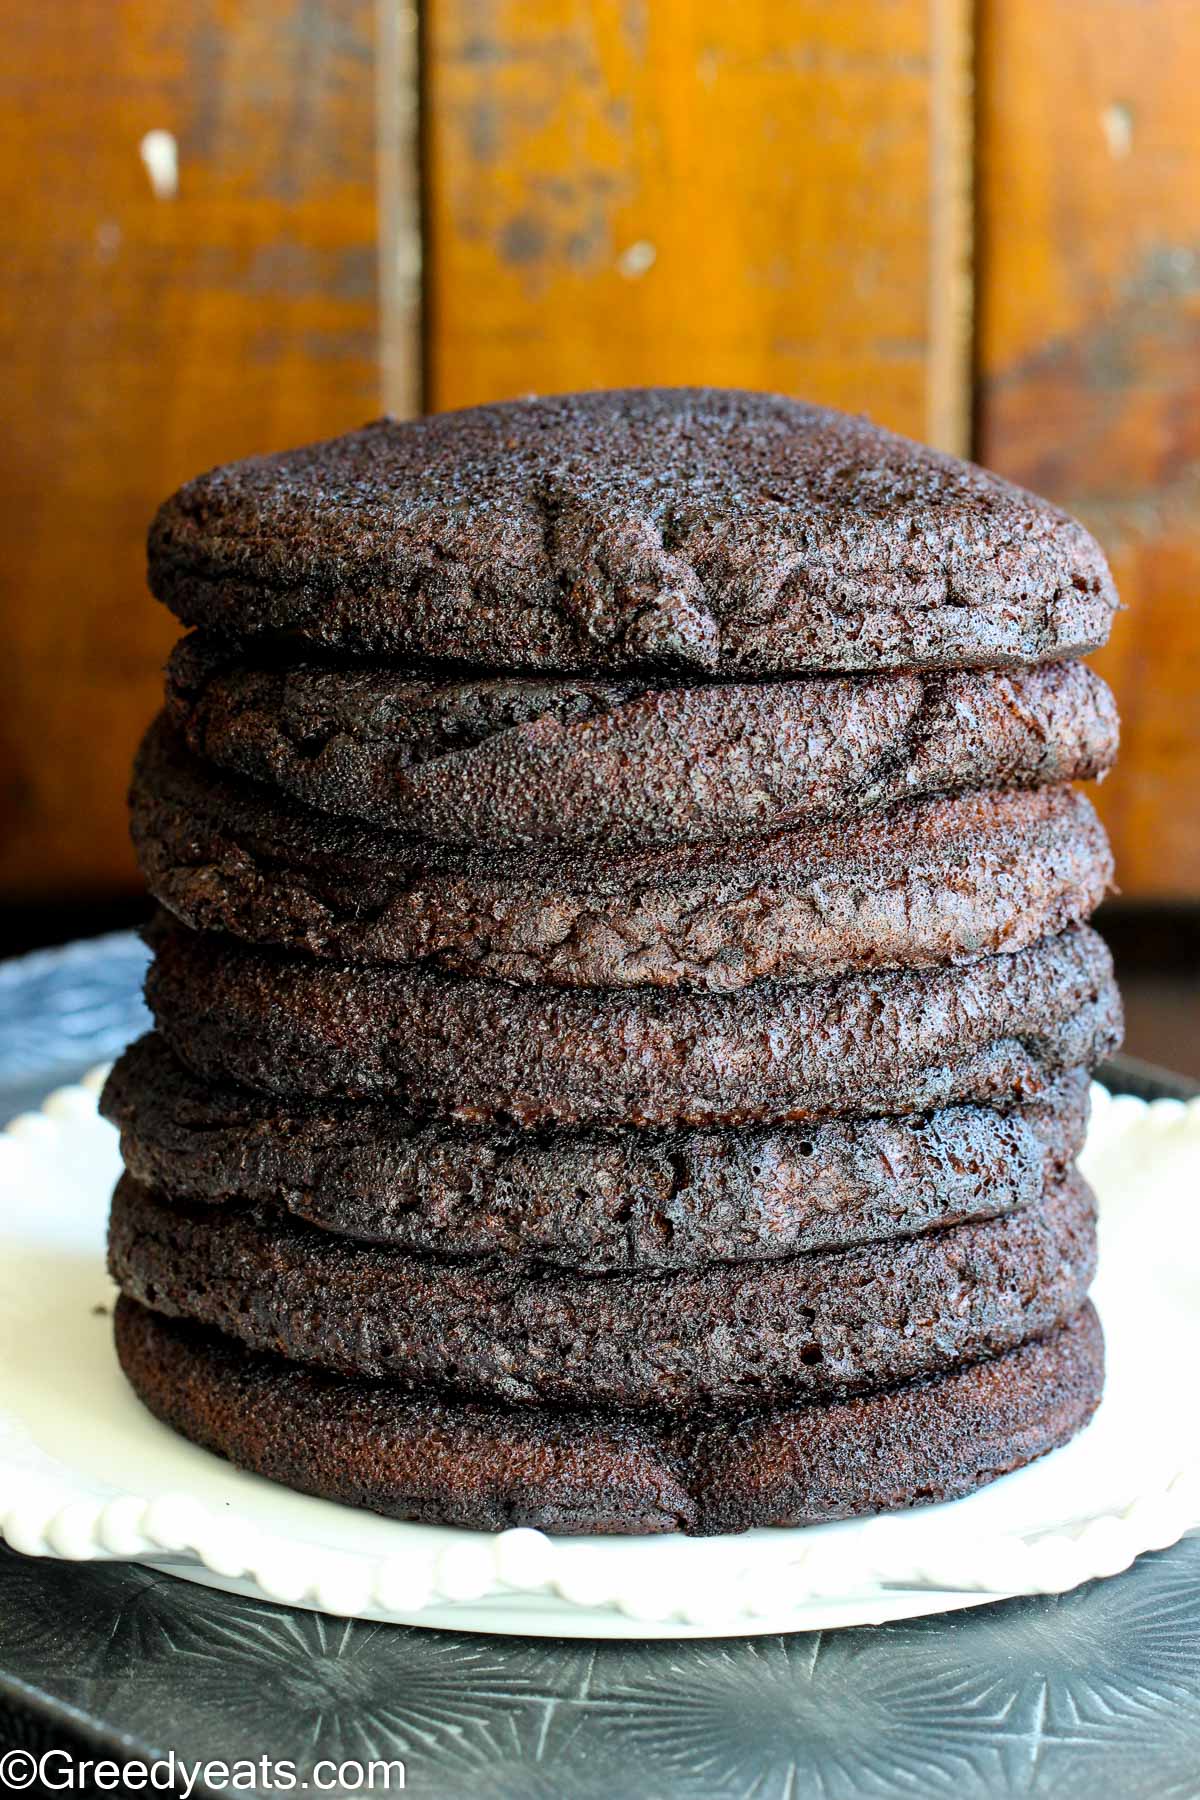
column 666, row 192
column 777, row 193
column 1089, row 355
column 145, row 336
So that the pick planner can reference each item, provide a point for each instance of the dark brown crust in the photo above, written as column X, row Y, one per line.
column 488, row 1468
column 680, row 528
column 596, row 1202
column 935, row 882
column 995, row 1031
column 725, row 1337
column 524, row 762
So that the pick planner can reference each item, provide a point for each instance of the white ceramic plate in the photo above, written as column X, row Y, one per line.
column 86, row 1472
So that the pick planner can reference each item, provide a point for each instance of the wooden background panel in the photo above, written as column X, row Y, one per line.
column 1089, row 350
column 774, row 193
column 146, row 336
column 669, row 192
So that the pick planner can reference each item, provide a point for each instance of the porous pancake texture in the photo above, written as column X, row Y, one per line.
column 994, row 1031
column 934, row 882
column 489, row 1468
column 729, row 1335
column 525, row 762
column 694, row 528
column 597, row 1202
column 623, row 993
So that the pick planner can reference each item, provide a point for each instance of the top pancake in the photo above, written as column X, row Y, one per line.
column 669, row 528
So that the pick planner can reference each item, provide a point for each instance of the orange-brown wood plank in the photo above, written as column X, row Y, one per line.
column 145, row 336
column 1089, row 349
column 671, row 192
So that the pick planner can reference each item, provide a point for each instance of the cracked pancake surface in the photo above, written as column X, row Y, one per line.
column 995, row 1031
column 707, row 529
column 536, row 760
column 724, row 1336
column 597, row 1202
column 939, row 881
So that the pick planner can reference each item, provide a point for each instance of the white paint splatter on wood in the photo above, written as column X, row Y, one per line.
column 160, row 159
column 635, row 261
column 1117, row 123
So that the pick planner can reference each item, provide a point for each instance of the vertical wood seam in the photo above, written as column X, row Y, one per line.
column 397, row 189
column 950, row 359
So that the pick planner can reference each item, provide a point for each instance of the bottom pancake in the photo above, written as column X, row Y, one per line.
column 488, row 1468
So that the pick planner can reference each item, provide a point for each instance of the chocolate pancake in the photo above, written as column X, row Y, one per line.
column 515, row 761
column 994, row 1031
column 684, row 528
column 939, row 881
column 487, row 1468
column 728, row 1336
column 595, row 1201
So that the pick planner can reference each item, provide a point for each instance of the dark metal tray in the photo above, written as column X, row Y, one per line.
column 1090, row 1694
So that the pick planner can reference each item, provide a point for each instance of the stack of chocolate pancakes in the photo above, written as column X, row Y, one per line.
column 623, row 988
